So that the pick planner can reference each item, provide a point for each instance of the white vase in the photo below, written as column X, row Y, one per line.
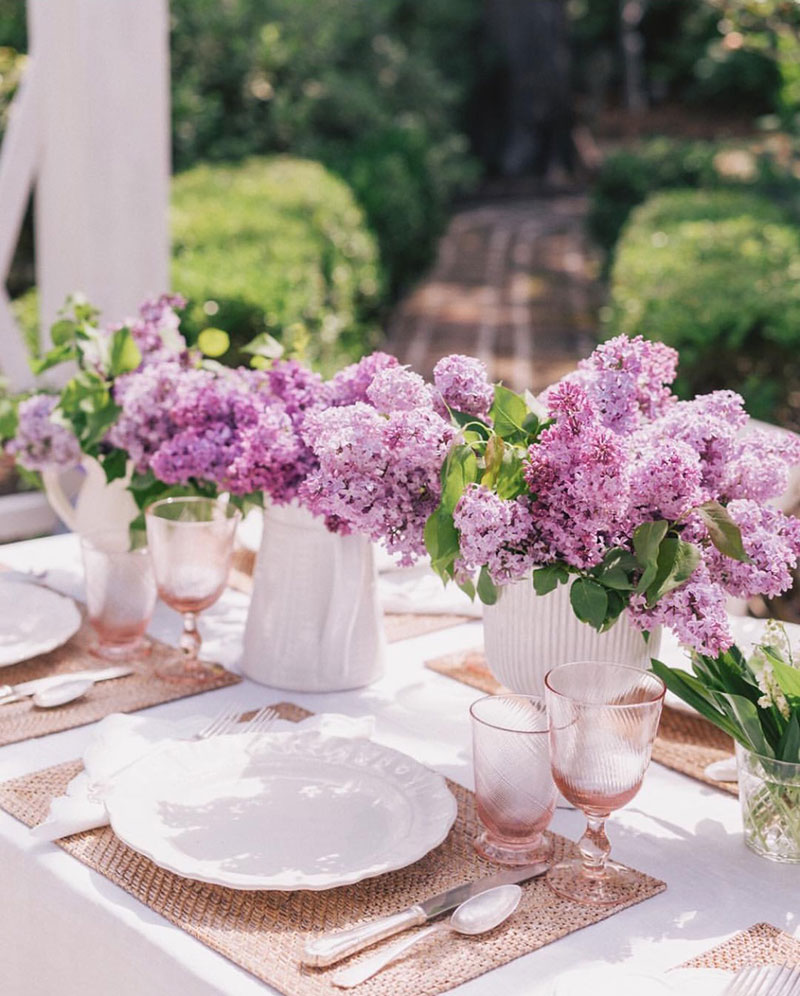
column 100, row 504
column 527, row 634
column 314, row 623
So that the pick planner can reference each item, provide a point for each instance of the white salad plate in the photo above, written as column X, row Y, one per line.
column 33, row 620
column 280, row 810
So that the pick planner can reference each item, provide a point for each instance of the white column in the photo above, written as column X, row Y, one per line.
column 102, row 192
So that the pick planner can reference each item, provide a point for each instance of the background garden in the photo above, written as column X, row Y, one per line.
column 319, row 147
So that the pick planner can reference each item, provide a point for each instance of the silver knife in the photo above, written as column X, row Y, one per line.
column 12, row 693
column 325, row 949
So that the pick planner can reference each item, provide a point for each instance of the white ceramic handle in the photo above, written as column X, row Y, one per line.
column 328, row 948
column 357, row 974
column 51, row 479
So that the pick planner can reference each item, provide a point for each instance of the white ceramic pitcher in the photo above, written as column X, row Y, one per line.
column 314, row 623
column 99, row 505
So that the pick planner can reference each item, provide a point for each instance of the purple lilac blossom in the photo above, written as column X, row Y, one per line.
column 398, row 389
column 494, row 532
column 350, row 384
column 696, row 612
column 463, row 384
column 379, row 474
column 42, row 443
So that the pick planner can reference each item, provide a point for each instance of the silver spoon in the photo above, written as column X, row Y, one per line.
column 63, row 692
column 474, row 916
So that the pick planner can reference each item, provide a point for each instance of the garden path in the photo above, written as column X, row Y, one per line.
column 515, row 284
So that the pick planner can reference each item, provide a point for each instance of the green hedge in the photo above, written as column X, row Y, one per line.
column 716, row 274
column 275, row 244
column 629, row 176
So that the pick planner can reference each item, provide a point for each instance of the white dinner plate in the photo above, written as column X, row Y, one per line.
column 280, row 811
column 33, row 620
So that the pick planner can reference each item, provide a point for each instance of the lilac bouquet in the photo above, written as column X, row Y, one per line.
column 650, row 505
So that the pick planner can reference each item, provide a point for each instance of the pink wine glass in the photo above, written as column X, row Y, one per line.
column 603, row 721
column 514, row 791
column 191, row 544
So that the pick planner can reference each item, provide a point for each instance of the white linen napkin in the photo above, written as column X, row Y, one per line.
column 419, row 590
column 120, row 740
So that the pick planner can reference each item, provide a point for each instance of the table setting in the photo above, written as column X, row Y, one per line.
column 289, row 785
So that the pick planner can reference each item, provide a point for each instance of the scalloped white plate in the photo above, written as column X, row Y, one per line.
column 33, row 620
column 280, row 811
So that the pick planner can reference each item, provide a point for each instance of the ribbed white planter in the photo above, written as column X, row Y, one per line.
column 527, row 634
column 314, row 623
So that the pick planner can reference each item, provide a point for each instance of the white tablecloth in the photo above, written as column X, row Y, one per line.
column 65, row 929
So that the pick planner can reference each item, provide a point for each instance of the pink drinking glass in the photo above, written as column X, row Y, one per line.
column 191, row 544
column 514, row 791
column 603, row 720
column 120, row 592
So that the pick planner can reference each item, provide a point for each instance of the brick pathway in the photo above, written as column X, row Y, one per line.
column 513, row 284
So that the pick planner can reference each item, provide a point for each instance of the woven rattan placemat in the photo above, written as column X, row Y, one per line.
column 762, row 944
column 264, row 932
column 686, row 743
column 23, row 721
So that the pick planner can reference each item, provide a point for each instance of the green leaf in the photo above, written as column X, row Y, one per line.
column 511, row 476
column 459, row 470
column 52, row 359
column 214, row 342
column 589, row 601
column 646, row 542
column 487, row 592
column 788, row 748
column 677, row 561
column 124, row 354
column 746, row 715
column 493, row 460
column 508, row 413
column 8, row 418
column 694, row 693
column 441, row 542
column 723, row 531
column 615, row 577
column 63, row 332
column 546, row 579
column 115, row 464
column 616, row 605
column 787, row 677
column 475, row 425
column 264, row 345
column 468, row 588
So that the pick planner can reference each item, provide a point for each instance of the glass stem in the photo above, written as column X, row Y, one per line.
column 190, row 638
column 595, row 846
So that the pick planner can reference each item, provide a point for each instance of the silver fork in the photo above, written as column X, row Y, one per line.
column 765, row 980
column 221, row 723
column 262, row 721
column 228, row 721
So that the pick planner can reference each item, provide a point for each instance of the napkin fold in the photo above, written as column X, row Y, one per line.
column 418, row 590
column 120, row 740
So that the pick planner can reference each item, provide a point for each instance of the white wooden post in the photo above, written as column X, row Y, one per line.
column 102, row 191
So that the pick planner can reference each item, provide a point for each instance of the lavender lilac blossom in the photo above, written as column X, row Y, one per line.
column 463, row 385
column 622, row 451
column 41, row 441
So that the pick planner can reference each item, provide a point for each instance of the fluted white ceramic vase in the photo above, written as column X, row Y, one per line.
column 314, row 623
column 526, row 634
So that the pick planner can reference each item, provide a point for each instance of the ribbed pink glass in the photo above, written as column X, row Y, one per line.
column 514, row 791
column 603, row 721
column 191, row 544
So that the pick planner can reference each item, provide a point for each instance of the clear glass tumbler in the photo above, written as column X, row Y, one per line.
column 603, row 721
column 120, row 592
column 191, row 545
column 769, row 796
column 514, row 790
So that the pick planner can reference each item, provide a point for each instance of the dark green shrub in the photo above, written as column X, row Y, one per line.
column 628, row 177
column 717, row 276
column 275, row 245
column 374, row 91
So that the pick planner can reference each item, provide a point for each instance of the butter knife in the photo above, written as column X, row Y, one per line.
column 325, row 949
column 12, row 693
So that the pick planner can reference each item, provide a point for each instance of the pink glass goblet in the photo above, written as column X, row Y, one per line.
column 603, row 720
column 514, row 790
column 191, row 544
column 120, row 592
